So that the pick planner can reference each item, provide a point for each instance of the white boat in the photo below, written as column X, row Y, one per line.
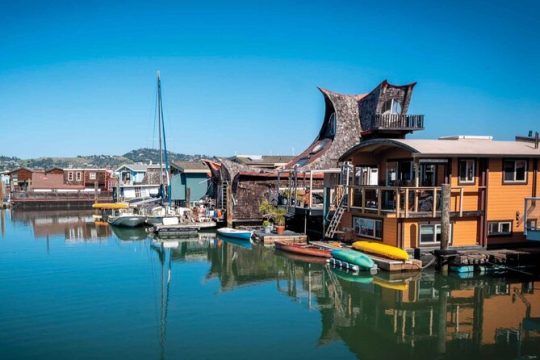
column 127, row 220
column 234, row 233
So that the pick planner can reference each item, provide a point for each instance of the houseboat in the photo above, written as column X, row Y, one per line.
column 393, row 193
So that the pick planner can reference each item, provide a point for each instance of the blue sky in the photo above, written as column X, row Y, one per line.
column 78, row 78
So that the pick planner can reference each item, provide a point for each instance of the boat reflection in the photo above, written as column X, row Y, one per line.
column 129, row 234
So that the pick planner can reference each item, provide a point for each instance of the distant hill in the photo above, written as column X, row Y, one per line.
column 95, row 161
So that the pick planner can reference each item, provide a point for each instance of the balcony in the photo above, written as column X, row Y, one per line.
column 410, row 202
column 397, row 122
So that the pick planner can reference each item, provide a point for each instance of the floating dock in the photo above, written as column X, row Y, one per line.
column 287, row 236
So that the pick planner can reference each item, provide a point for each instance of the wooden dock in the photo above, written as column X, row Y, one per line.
column 382, row 263
column 288, row 236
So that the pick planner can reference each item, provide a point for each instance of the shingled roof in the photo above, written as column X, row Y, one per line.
column 190, row 166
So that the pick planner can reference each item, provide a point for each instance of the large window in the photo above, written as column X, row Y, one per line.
column 331, row 129
column 92, row 176
column 78, row 176
column 515, row 171
column 70, row 175
column 466, row 171
column 366, row 227
column 392, row 106
column 499, row 228
column 431, row 234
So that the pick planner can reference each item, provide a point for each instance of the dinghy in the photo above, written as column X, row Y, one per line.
column 234, row 233
column 302, row 249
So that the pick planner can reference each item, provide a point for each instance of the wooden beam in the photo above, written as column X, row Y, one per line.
column 406, row 202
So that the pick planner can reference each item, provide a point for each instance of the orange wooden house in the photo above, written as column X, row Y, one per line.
column 394, row 190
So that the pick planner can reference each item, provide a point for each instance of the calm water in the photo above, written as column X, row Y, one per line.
column 72, row 289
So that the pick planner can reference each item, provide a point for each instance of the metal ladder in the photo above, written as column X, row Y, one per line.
column 336, row 219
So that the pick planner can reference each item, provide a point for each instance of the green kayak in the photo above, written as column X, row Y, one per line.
column 363, row 261
column 361, row 278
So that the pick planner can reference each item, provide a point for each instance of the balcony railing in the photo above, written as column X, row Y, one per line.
column 406, row 202
column 397, row 122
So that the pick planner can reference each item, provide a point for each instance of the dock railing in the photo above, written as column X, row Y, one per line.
column 405, row 202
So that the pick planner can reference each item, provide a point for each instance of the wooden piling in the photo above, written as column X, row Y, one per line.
column 229, row 210
column 188, row 196
column 445, row 216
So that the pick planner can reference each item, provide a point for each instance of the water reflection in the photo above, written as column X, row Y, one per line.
column 406, row 315
column 388, row 315
column 75, row 226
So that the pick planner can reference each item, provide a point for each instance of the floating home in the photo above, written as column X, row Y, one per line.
column 240, row 189
column 190, row 182
column 348, row 119
column 137, row 181
column 394, row 190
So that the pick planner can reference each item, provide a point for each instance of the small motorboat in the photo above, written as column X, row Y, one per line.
column 127, row 220
column 235, row 233
column 376, row 248
column 302, row 249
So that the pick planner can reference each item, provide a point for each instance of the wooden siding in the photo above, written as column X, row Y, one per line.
column 471, row 192
column 465, row 232
column 505, row 201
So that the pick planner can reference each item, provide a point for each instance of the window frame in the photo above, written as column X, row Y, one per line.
column 70, row 175
column 474, row 167
column 514, row 181
column 499, row 223
column 435, row 226
column 374, row 237
column 92, row 175
column 78, row 176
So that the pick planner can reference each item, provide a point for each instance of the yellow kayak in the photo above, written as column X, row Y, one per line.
column 399, row 286
column 383, row 250
column 110, row 206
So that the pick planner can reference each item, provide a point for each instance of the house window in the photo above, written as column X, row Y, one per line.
column 92, row 176
column 431, row 234
column 515, row 171
column 466, row 171
column 392, row 106
column 370, row 228
column 498, row 228
column 70, row 176
column 78, row 176
column 138, row 192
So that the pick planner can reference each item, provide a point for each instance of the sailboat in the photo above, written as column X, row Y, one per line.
column 164, row 214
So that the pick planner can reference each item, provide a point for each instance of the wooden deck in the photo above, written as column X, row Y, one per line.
column 288, row 236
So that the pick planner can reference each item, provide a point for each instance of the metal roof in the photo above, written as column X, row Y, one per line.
column 466, row 147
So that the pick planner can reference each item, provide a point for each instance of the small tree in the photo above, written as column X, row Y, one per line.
column 269, row 211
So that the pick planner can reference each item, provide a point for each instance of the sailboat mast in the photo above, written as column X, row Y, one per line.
column 159, row 114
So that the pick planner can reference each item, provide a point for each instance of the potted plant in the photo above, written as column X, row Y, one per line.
column 279, row 218
column 277, row 214
column 267, row 225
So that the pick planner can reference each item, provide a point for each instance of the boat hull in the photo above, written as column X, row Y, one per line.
column 235, row 234
column 363, row 261
column 127, row 220
column 387, row 251
column 302, row 249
